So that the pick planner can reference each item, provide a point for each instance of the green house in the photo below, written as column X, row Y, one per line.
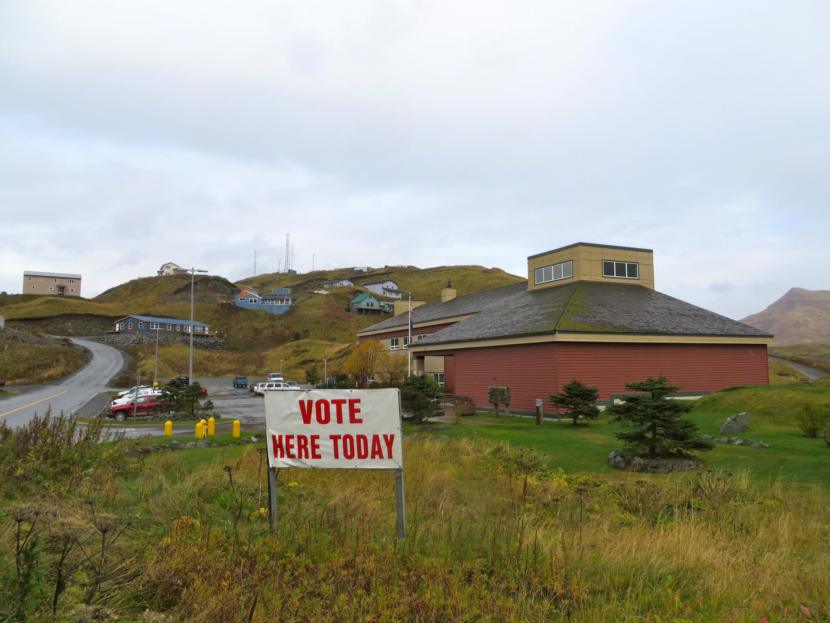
column 365, row 303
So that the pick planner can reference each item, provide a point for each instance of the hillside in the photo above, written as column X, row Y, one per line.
column 254, row 341
column 425, row 284
column 27, row 357
column 800, row 316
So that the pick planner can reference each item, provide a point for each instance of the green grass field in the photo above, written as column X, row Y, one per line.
column 813, row 355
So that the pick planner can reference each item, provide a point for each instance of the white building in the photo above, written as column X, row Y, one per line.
column 171, row 268
column 387, row 288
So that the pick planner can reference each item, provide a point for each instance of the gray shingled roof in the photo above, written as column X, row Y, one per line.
column 582, row 307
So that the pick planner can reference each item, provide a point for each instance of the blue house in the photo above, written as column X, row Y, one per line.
column 148, row 324
column 277, row 302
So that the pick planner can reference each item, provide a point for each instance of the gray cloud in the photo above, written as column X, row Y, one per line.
column 420, row 133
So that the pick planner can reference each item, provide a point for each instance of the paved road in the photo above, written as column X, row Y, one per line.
column 70, row 394
column 810, row 373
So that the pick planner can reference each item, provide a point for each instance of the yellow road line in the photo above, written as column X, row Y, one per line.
column 32, row 404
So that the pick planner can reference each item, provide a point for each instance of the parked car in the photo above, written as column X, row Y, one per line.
column 275, row 376
column 293, row 385
column 131, row 390
column 144, row 405
column 240, row 382
column 130, row 396
column 258, row 388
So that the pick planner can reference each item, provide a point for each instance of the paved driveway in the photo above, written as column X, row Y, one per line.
column 71, row 393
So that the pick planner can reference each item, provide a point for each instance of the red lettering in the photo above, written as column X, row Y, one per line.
column 339, row 402
column 276, row 442
column 353, row 411
column 305, row 411
column 362, row 446
column 302, row 447
column 315, row 447
column 323, row 412
column 389, row 440
column 377, row 449
column 348, row 447
column 335, row 440
column 289, row 447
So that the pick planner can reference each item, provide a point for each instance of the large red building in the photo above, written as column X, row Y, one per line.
column 587, row 312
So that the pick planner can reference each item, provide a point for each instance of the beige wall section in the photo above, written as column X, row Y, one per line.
column 587, row 265
column 38, row 284
column 433, row 364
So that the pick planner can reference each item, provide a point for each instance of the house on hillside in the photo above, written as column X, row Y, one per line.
column 387, row 288
column 362, row 269
column 338, row 283
column 365, row 303
column 588, row 312
column 57, row 284
column 171, row 268
column 151, row 324
column 277, row 302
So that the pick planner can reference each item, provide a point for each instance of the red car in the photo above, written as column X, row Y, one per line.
column 145, row 405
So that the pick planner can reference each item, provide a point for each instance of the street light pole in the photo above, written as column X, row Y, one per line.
column 193, row 272
column 156, row 369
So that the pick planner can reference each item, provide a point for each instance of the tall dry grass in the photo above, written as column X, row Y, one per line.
column 493, row 535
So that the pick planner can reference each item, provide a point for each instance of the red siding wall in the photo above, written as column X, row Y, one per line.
column 693, row 367
column 538, row 370
column 527, row 370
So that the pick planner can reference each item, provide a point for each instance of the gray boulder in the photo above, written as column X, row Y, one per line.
column 735, row 424
column 619, row 460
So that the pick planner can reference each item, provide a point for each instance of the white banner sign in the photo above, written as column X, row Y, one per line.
column 340, row 428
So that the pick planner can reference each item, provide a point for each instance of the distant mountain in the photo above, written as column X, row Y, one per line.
column 799, row 317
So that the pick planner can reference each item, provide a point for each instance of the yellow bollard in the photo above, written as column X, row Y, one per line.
column 168, row 428
column 203, row 422
column 211, row 426
column 235, row 429
column 199, row 430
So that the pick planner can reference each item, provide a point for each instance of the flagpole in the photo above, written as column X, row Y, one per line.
column 409, row 328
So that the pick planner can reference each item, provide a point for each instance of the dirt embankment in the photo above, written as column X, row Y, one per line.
column 66, row 324
column 28, row 358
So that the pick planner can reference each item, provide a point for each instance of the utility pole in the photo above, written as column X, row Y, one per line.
column 156, row 369
column 254, row 262
column 193, row 272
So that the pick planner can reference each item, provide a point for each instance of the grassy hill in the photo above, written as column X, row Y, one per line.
column 255, row 342
column 800, row 316
column 813, row 355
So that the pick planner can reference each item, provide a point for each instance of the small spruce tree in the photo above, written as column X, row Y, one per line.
column 578, row 399
column 658, row 428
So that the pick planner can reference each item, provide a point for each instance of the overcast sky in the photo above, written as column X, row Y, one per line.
column 427, row 133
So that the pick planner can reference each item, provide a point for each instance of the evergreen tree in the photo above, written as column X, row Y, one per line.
column 658, row 428
column 578, row 399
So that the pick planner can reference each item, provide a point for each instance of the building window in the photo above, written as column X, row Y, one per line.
column 252, row 300
column 406, row 341
column 620, row 270
column 169, row 327
column 420, row 337
column 555, row 272
column 394, row 343
column 71, row 281
column 119, row 326
column 438, row 377
column 130, row 324
column 154, row 325
column 241, row 299
column 140, row 326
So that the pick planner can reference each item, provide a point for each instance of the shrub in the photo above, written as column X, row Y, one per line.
column 419, row 396
column 578, row 399
column 658, row 428
column 497, row 395
column 813, row 419
column 464, row 406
